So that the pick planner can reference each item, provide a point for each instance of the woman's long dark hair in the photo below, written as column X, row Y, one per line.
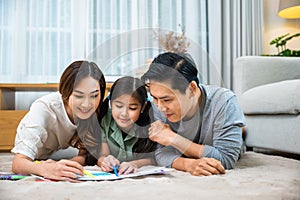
column 88, row 130
column 135, row 88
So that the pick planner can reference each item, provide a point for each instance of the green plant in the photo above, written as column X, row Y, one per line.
column 280, row 43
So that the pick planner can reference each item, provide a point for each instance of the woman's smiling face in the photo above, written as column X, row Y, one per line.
column 84, row 99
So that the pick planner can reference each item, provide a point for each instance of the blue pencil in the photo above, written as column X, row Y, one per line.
column 116, row 170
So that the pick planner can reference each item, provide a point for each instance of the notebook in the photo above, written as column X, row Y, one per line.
column 94, row 173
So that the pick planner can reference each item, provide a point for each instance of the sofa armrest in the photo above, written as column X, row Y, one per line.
column 252, row 71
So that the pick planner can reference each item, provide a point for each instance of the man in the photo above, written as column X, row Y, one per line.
column 202, row 133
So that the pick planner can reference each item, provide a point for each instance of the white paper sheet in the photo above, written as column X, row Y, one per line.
column 98, row 175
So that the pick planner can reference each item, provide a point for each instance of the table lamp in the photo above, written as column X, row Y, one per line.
column 289, row 9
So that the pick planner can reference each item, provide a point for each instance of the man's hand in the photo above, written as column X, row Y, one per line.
column 161, row 133
column 199, row 167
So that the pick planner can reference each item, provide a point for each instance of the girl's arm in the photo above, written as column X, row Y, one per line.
column 103, row 153
column 107, row 161
column 65, row 170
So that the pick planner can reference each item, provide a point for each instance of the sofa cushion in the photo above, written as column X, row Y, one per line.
column 275, row 98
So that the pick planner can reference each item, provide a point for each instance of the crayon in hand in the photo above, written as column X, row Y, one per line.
column 116, row 168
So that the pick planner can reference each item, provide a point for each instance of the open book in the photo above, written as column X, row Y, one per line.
column 95, row 173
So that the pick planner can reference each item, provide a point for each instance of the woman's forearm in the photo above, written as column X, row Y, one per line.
column 24, row 165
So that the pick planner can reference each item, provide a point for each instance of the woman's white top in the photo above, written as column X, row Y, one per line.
column 45, row 129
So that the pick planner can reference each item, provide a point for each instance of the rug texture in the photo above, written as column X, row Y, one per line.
column 256, row 176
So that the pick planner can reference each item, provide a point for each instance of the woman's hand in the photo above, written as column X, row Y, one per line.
column 64, row 170
column 161, row 133
column 127, row 167
column 106, row 163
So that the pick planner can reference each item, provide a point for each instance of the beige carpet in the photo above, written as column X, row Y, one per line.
column 256, row 176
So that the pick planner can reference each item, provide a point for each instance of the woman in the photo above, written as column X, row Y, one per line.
column 203, row 130
column 59, row 120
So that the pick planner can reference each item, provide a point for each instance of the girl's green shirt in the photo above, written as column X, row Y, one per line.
column 112, row 135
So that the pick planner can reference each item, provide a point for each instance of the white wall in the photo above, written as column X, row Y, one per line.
column 275, row 26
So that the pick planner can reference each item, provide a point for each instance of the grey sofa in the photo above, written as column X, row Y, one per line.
column 268, row 90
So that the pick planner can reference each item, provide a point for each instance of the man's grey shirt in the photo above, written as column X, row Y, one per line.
column 216, row 125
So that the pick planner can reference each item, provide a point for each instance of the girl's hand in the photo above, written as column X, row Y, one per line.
column 64, row 170
column 106, row 163
column 127, row 167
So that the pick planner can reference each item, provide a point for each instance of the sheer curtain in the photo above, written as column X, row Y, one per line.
column 235, row 29
column 35, row 40
column 39, row 38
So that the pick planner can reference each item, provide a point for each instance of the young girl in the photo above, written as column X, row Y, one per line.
column 125, row 142
column 57, row 120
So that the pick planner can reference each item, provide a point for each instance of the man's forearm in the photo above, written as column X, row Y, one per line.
column 187, row 147
column 182, row 164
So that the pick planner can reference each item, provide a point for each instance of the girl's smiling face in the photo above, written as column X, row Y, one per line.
column 84, row 99
column 126, row 111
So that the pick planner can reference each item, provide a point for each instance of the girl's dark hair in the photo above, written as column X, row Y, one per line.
column 134, row 87
column 174, row 68
column 88, row 130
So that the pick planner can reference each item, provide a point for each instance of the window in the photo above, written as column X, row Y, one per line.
column 40, row 38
